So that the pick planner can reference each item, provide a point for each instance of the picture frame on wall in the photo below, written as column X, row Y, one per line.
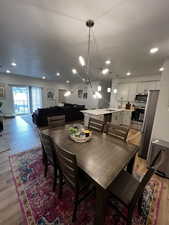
column 80, row 93
column 2, row 91
column 85, row 95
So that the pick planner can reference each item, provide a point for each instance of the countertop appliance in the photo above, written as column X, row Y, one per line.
column 141, row 98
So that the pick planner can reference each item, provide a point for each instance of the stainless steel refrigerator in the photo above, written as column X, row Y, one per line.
column 148, row 122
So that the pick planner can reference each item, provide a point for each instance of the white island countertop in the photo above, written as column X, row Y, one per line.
column 97, row 112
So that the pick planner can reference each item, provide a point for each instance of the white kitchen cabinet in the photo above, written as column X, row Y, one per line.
column 132, row 92
column 157, row 86
column 116, row 118
column 121, row 118
column 126, row 118
column 149, row 86
column 140, row 88
column 123, row 92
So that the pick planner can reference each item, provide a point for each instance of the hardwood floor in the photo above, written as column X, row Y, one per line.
column 22, row 137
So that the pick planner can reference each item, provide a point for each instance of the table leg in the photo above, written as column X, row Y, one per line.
column 101, row 197
column 131, row 165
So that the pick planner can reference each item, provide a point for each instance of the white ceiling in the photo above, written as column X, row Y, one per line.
column 47, row 36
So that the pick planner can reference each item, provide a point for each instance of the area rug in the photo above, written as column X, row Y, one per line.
column 41, row 206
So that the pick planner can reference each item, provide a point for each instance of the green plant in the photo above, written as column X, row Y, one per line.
column 73, row 130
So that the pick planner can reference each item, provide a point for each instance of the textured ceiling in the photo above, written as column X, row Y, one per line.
column 47, row 36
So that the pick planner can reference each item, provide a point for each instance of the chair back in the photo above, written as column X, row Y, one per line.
column 68, row 166
column 48, row 147
column 95, row 124
column 144, row 181
column 116, row 131
column 56, row 121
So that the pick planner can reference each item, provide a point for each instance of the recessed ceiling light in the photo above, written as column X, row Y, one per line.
column 108, row 62
column 57, row 74
column 8, row 71
column 67, row 81
column 154, row 50
column 13, row 64
column 82, row 61
column 43, row 77
column 161, row 69
column 74, row 71
column 128, row 74
column 105, row 71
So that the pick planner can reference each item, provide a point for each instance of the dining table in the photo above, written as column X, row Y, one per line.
column 102, row 159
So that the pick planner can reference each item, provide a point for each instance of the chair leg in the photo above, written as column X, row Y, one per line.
column 129, row 218
column 140, row 204
column 44, row 158
column 55, row 179
column 46, row 168
column 75, row 206
column 60, row 184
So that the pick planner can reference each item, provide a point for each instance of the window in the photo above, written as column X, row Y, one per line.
column 26, row 99
column 36, row 98
column 21, row 100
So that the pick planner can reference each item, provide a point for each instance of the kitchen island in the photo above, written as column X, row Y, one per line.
column 112, row 115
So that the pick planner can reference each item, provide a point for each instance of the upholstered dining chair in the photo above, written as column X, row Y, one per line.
column 128, row 190
column 56, row 121
column 49, row 156
column 73, row 176
column 117, row 131
column 95, row 124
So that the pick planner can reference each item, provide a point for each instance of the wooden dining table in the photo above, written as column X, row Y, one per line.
column 102, row 158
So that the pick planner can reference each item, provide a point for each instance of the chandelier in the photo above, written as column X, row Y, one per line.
column 87, row 67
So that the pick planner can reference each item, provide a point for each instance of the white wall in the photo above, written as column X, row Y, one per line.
column 90, row 102
column 9, row 80
column 130, row 86
column 161, row 123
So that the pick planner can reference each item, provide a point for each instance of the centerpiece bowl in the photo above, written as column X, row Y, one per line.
column 79, row 134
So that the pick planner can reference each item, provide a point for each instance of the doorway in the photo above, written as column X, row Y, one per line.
column 26, row 99
column 21, row 100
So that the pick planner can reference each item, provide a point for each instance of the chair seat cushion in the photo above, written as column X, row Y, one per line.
column 124, row 187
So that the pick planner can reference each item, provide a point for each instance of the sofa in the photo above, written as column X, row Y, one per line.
column 71, row 112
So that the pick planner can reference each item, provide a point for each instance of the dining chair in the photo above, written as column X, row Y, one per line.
column 74, row 177
column 56, row 121
column 49, row 156
column 117, row 131
column 95, row 124
column 129, row 191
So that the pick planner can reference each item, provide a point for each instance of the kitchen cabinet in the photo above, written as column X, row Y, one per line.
column 123, row 92
column 140, row 88
column 128, row 91
column 132, row 92
column 122, row 118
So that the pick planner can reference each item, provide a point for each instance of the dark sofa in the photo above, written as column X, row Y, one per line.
column 71, row 112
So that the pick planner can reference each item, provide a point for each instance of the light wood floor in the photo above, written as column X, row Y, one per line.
column 23, row 137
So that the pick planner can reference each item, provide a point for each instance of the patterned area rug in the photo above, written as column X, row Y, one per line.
column 41, row 206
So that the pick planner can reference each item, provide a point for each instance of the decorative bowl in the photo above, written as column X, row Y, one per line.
column 79, row 134
column 80, row 139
